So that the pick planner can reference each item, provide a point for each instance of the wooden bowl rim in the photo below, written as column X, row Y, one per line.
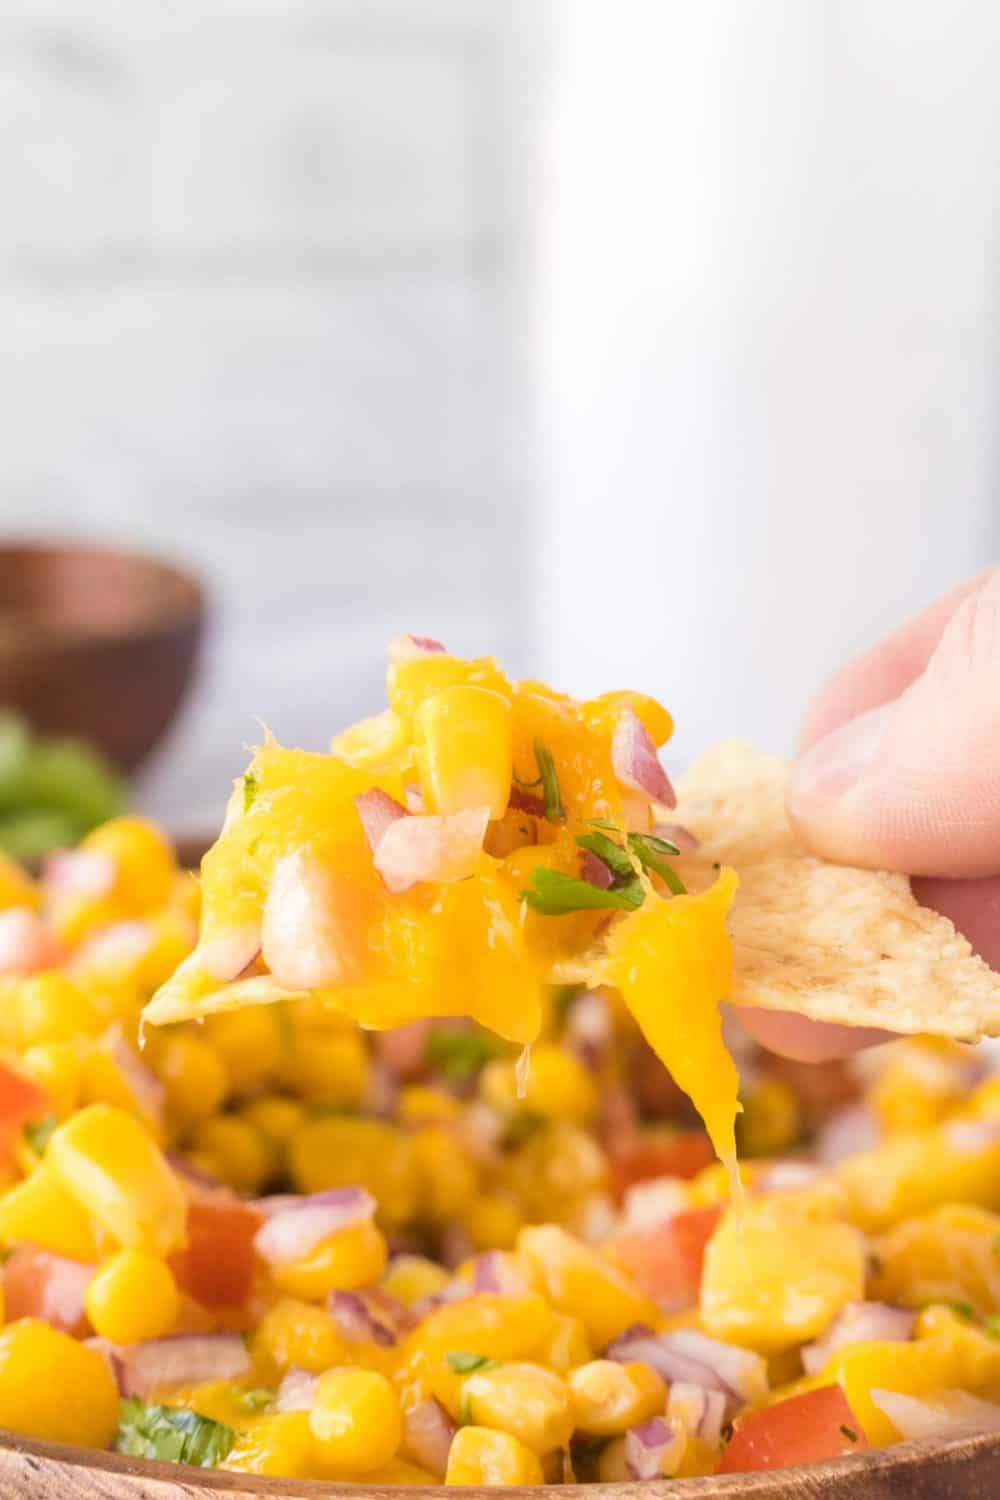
column 162, row 620
column 775, row 1484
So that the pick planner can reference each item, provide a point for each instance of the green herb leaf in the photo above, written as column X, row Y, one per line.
column 851, row 1437
column 467, row 1364
column 609, row 853
column 251, row 786
column 992, row 1325
column 256, row 1398
column 459, row 1053
column 965, row 1310
column 551, row 796
column 38, row 1133
column 650, row 855
column 654, row 842
column 172, row 1434
column 553, row 894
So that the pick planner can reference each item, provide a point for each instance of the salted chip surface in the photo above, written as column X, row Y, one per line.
column 826, row 941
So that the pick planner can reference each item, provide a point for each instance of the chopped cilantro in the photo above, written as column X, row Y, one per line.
column 459, row 1053
column 551, row 795
column 256, row 1398
column 553, row 894
column 650, row 852
column 850, row 1435
column 521, row 1127
column 609, row 853
column 171, row 1433
column 251, row 786
column 38, row 1133
column 467, row 1364
column 964, row 1310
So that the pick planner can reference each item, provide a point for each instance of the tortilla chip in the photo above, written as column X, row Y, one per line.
column 826, row 941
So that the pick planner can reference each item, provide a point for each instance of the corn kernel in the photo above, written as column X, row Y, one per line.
column 338, row 1152
column 55, row 1066
column 579, row 1281
column 297, row 1334
column 419, row 1104
column 328, row 1069
column 280, row 1444
column 608, row 1398
column 355, row 1419
column 555, row 1171
column 492, row 1221
column 413, row 1277
column 195, row 1079
column 480, row 1455
column 276, row 1117
column 557, row 1087
column 240, row 1153
column 447, row 1176
column 51, row 1008
column 250, row 1043
column 525, row 1399
column 568, row 1345
column 132, row 1297
column 771, row 1121
column 466, row 742
column 146, row 867
column 55, row 1389
column 353, row 1258
column 108, row 1163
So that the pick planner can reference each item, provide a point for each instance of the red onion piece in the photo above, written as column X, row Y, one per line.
column 120, row 944
column 414, row 798
column 228, row 954
column 427, row 1434
column 290, row 1232
column 696, row 1411
column 653, row 1449
column 528, row 802
column 589, row 1029
column 26, row 945
column 846, row 1133
column 80, row 872
column 410, row 647
column 859, row 1323
column 785, row 1176
column 635, row 761
column 972, row 1135
column 357, row 1320
column 201, row 1183
column 40, row 1284
column 377, row 811
column 594, row 871
column 297, row 1391
column 442, row 848
column 696, row 1359
column 307, row 936
column 144, row 1086
column 676, row 833
column 498, row 1271
column 186, row 1359
column 938, row 1413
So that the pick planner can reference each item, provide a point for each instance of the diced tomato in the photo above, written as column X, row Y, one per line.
column 801, row 1430
column 20, row 1100
column 38, row 1284
column 677, row 1153
column 217, row 1267
column 666, row 1259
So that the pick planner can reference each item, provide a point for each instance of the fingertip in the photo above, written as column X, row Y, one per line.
column 803, row 1040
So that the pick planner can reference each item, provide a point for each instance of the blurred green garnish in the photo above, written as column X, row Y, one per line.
column 52, row 791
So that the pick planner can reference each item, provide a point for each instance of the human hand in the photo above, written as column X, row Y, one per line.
column 899, row 769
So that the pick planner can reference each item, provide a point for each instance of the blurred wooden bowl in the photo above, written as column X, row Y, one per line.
column 97, row 643
column 956, row 1468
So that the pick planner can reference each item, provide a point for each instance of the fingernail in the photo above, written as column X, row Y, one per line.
column 835, row 763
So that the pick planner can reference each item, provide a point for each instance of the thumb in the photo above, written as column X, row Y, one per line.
column 914, row 785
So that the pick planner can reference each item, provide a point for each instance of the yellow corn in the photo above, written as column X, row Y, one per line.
column 132, row 1297
column 53, row 1388
column 329, row 1069
column 771, row 1121
column 527, row 1400
column 195, row 1079
column 568, row 1345
column 296, row 1334
column 51, row 1008
column 447, row 1176
column 338, row 1152
column 419, row 1104
column 354, row 1257
column 491, row 1220
column 240, row 1154
column 608, row 1398
column 480, row 1455
column 56, row 1067
column 557, row 1086
column 276, row 1117
column 108, row 1163
column 250, row 1043
column 355, row 1419
column 412, row 1277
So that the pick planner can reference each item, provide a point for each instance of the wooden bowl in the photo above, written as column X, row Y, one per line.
column 97, row 643
column 958, row 1468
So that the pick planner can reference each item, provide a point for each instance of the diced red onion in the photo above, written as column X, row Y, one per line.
column 201, row 1183
column 297, row 1391
column 187, row 1359
column 80, row 872
column 527, row 802
column 594, row 871
column 938, row 1413
column 859, row 1323
column 227, row 955
column 26, row 945
column 120, row 944
column 292, row 1232
column 693, row 1357
column 481, row 1130
column 410, row 647
column 427, row 1434
column 785, row 1176
column 436, row 847
column 144, row 1086
column 653, row 1449
column 589, row 1029
column 972, row 1135
column 846, row 1133
column 390, row 1308
column 305, row 940
column 698, row 1412
column 381, row 1093
column 357, row 1321
column 635, row 762
column 414, row 798
column 654, row 1201
column 455, row 1247
column 39, row 1284
column 676, row 833
column 377, row 811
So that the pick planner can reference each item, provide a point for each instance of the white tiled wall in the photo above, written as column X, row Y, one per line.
column 258, row 292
